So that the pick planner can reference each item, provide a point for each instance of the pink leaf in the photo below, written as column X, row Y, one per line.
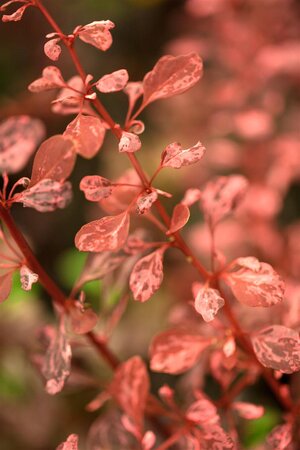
column 171, row 75
column 145, row 201
column 148, row 440
column 147, row 275
column 248, row 410
column 28, row 278
column 57, row 363
column 129, row 142
column 52, row 49
column 113, row 82
column 176, row 351
column 5, row 285
column 179, row 219
column 97, row 34
column 54, row 160
column 17, row 15
column 175, row 156
column 214, row 437
column 191, row 196
column 46, row 195
column 70, row 102
column 221, row 196
column 108, row 233
column 95, row 187
column 134, row 90
column 259, row 287
column 82, row 320
column 87, row 133
column 280, row 437
column 202, row 411
column 51, row 79
column 130, row 387
column 278, row 348
column 208, row 301
column 19, row 136
column 70, row 444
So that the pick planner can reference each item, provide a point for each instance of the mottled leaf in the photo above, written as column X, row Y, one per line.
column 95, row 187
column 97, row 34
column 52, row 49
column 175, row 156
column 113, row 82
column 176, row 351
column 17, row 15
column 87, row 133
column 202, row 411
column 108, row 233
column 248, row 410
column 70, row 444
column 28, row 278
column 46, row 195
column 145, row 200
column 19, row 136
column 171, row 75
column 134, row 91
column 208, row 301
column 129, row 142
column 280, row 437
column 214, row 437
column 51, row 79
column 147, row 275
column 82, row 320
column 278, row 348
column 179, row 219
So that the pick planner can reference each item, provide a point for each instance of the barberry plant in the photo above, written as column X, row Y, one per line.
column 206, row 337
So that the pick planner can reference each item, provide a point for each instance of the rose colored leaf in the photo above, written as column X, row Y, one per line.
column 46, row 195
column 52, row 49
column 129, row 142
column 172, row 75
column 214, row 437
column 5, row 285
column 19, row 136
column 208, row 301
column 202, row 411
column 130, row 387
column 70, row 444
column 136, row 127
column 263, row 287
column 175, row 156
column 70, row 102
column 97, row 34
column 57, row 363
column 191, row 196
column 87, row 133
column 281, row 437
column 28, row 278
column 95, row 188
column 98, row 266
column 148, row 440
column 221, row 196
column 108, row 233
column 134, row 90
column 145, row 201
column 54, row 160
column 249, row 262
column 179, row 219
column 113, row 82
column 248, row 410
column 278, row 348
column 147, row 275
column 17, row 15
column 176, row 351
column 82, row 320
column 51, row 79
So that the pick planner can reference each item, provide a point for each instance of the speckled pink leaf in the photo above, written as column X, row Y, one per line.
column 19, row 136
column 87, row 133
column 172, row 75
column 248, row 410
column 278, row 348
column 52, row 49
column 95, row 187
column 147, row 275
column 202, row 411
column 221, row 196
column 17, row 15
column 179, row 219
column 113, row 82
column 214, row 437
column 280, row 437
column 54, row 160
column 175, row 156
column 57, row 363
column 70, row 444
column 97, row 34
column 46, row 195
column 145, row 201
column 130, row 387
column 263, row 287
column 176, row 351
column 108, row 233
column 5, row 285
column 51, row 79
column 134, row 90
column 28, row 278
column 129, row 142
column 208, row 301
column 249, row 262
